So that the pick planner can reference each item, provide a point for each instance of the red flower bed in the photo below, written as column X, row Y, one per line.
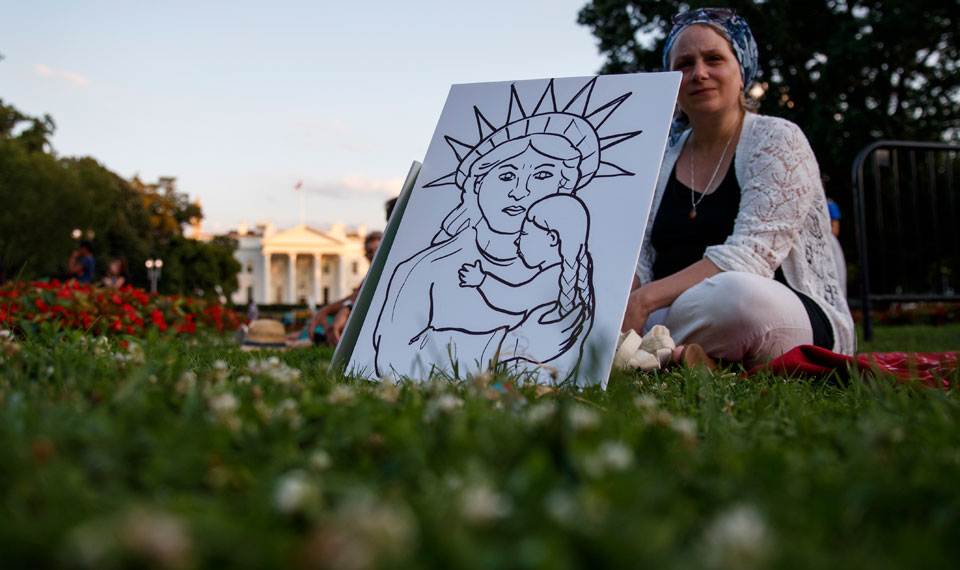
column 109, row 311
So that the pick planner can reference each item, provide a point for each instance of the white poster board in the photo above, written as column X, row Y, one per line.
column 518, row 245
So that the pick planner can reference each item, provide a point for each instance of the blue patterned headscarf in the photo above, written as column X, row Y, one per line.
column 741, row 39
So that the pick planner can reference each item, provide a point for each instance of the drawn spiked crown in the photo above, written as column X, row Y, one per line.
column 575, row 121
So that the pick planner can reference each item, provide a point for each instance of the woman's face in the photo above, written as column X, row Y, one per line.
column 711, row 80
column 508, row 190
column 536, row 246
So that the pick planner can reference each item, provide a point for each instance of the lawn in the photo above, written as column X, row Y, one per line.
column 188, row 453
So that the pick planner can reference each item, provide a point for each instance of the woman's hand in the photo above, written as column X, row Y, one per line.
column 637, row 311
column 662, row 292
column 336, row 327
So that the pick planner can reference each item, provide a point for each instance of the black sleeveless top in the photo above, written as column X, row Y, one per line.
column 681, row 241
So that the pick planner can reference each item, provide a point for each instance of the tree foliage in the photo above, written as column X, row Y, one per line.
column 847, row 72
column 45, row 198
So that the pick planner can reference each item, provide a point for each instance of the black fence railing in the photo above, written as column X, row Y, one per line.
column 907, row 214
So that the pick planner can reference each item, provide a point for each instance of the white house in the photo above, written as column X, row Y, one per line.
column 300, row 265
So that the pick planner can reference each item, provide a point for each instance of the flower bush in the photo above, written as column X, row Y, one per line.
column 106, row 311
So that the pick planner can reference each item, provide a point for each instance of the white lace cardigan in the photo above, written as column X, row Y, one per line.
column 783, row 219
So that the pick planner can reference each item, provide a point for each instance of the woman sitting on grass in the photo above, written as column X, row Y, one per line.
column 736, row 260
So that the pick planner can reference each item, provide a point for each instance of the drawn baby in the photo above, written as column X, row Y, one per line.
column 552, row 239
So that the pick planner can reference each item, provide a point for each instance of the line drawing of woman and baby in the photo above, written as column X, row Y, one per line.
column 514, row 250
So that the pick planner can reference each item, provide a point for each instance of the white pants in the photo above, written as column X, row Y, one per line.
column 737, row 317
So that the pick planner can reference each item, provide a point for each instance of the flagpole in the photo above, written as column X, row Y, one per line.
column 303, row 202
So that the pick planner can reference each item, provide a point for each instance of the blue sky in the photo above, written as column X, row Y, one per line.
column 240, row 100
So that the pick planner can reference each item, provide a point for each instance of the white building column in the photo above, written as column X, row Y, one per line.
column 265, row 278
column 317, row 272
column 341, row 278
column 291, row 277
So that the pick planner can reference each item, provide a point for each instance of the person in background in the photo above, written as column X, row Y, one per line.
column 253, row 312
column 389, row 205
column 838, row 256
column 340, row 311
column 321, row 326
column 81, row 264
column 737, row 260
column 116, row 276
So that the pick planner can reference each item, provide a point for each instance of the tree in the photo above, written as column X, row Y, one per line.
column 168, row 209
column 44, row 199
column 42, row 202
column 847, row 72
column 196, row 268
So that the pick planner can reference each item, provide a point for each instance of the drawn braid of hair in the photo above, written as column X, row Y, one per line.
column 575, row 281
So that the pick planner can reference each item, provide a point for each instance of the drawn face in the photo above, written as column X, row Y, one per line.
column 711, row 80
column 536, row 246
column 510, row 188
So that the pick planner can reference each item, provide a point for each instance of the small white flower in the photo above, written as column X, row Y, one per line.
column 341, row 395
column 650, row 410
column 442, row 404
column 737, row 538
column 186, row 382
column 387, row 390
column 156, row 536
column 101, row 345
column 480, row 504
column 224, row 404
column 582, row 418
column 320, row 460
column 646, row 402
column 274, row 369
column 136, row 355
column 290, row 411
column 686, row 427
column 541, row 412
column 609, row 456
column 294, row 492
column 244, row 379
column 220, row 370
column 616, row 455
column 364, row 533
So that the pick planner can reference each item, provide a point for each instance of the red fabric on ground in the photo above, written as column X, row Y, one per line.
column 932, row 369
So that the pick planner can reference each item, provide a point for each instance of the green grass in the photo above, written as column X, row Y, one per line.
column 185, row 456
column 915, row 338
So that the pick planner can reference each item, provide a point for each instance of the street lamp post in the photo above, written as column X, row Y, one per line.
column 154, row 266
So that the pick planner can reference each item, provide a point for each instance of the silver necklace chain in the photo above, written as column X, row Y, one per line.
column 694, row 201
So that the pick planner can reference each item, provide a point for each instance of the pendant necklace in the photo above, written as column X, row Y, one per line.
column 694, row 201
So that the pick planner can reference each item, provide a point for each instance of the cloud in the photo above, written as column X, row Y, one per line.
column 75, row 78
column 356, row 185
column 68, row 76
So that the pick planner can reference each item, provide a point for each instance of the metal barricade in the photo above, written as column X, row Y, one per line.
column 906, row 212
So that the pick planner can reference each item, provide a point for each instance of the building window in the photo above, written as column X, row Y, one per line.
column 356, row 267
column 326, row 268
column 249, row 267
